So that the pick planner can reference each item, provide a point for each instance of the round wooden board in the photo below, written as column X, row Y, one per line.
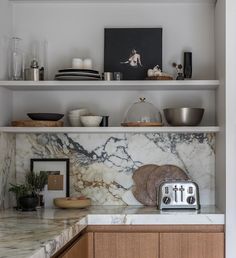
column 141, row 124
column 140, row 177
column 160, row 174
column 34, row 123
column 71, row 203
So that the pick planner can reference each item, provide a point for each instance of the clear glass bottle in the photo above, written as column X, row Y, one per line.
column 16, row 60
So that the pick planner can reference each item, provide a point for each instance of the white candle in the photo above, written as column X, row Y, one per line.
column 88, row 64
column 77, row 63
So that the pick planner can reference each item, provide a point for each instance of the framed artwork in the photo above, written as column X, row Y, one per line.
column 132, row 51
column 58, row 184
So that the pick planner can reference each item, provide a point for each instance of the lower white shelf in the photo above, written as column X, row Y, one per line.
column 107, row 130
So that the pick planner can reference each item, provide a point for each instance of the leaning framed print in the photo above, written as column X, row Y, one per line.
column 58, row 184
column 132, row 51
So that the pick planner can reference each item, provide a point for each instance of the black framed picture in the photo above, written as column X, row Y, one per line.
column 132, row 51
column 58, row 184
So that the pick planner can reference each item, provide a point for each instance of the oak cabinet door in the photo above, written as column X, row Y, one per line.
column 126, row 245
column 192, row 245
column 82, row 248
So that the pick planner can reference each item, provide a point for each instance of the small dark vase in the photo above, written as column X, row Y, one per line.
column 180, row 76
column 188, row 65
column 28, row 203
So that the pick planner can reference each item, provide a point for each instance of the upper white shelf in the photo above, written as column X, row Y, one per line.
column 117, row 1
column 107, row 130
column 111, row 85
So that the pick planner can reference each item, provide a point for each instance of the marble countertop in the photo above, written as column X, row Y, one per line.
column 40, row 234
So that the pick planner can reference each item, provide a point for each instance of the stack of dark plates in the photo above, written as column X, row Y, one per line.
column 77, row 75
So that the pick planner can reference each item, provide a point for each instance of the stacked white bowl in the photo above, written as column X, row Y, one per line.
column 74, row 116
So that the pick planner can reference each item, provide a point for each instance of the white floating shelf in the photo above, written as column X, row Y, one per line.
column 111, row 85
column 117, row 1
column 108, row 130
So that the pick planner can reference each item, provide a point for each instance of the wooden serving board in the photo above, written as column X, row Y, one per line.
column 141, row 124
column 159, row 175
column 34, row 123
column 140, row 177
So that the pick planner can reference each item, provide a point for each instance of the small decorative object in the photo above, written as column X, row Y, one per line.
column 157, row 74
column 77, row 63
column 88, row 63
column 105, row 121
column 132, row 51
column 188, row 65
column 59, row 168
column 36, row 68
column 179, row 69
column 108, row 76
column 16, row 61
column 142, row 113
column 118, row 76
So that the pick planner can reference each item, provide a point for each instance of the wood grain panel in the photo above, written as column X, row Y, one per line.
column 82, row 248
column 192, row 245
column 126, row 245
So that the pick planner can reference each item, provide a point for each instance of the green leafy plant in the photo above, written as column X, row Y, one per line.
column 36, row 180
column 19, row 191
column 34, row 184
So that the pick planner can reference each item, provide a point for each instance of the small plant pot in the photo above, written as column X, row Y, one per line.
column 28, row 203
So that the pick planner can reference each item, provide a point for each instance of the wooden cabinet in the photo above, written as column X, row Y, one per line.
column 126, row 245
column 82, row 248
column 192, row 245
column 156, row 241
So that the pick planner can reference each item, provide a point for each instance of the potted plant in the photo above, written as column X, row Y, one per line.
column 19, row 191
column 28, row 194
column 37, row 181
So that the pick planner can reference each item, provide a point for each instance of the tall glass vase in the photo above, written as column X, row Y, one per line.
column 16, row 60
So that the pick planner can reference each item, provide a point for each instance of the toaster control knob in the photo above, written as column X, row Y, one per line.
column 166, row 200
column 191, row 200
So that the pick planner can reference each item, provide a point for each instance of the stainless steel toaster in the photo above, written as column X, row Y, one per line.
column 178, row 194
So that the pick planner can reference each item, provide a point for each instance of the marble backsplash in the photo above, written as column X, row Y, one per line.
column 7, row 169
column 101, row 166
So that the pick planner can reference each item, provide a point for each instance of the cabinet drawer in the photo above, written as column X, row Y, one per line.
column 126, row 245
column 192, row 245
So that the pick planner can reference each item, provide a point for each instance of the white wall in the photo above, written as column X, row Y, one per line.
column 230, row 128
column 77, row 30
column 5, row 34
column 220, row 104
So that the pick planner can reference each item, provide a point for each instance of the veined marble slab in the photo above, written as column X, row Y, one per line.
column 101, row 166
column 7, row 168
column 41, row 234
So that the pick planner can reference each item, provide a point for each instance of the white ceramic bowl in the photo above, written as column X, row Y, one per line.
column 74, row 116
column 91, row 121
column 78, row 112
column 74, row 121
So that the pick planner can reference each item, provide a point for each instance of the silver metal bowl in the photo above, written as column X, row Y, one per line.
column 183, row 116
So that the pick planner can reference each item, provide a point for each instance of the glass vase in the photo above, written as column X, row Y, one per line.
column 16, row 60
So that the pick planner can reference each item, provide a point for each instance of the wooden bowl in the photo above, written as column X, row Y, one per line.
column 72, row 203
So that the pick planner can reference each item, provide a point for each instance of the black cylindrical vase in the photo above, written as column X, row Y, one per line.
column 188, row 65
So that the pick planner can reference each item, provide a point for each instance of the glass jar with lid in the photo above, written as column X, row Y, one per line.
column 142, row 113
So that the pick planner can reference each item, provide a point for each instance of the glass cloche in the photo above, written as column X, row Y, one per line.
column 142, row 113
